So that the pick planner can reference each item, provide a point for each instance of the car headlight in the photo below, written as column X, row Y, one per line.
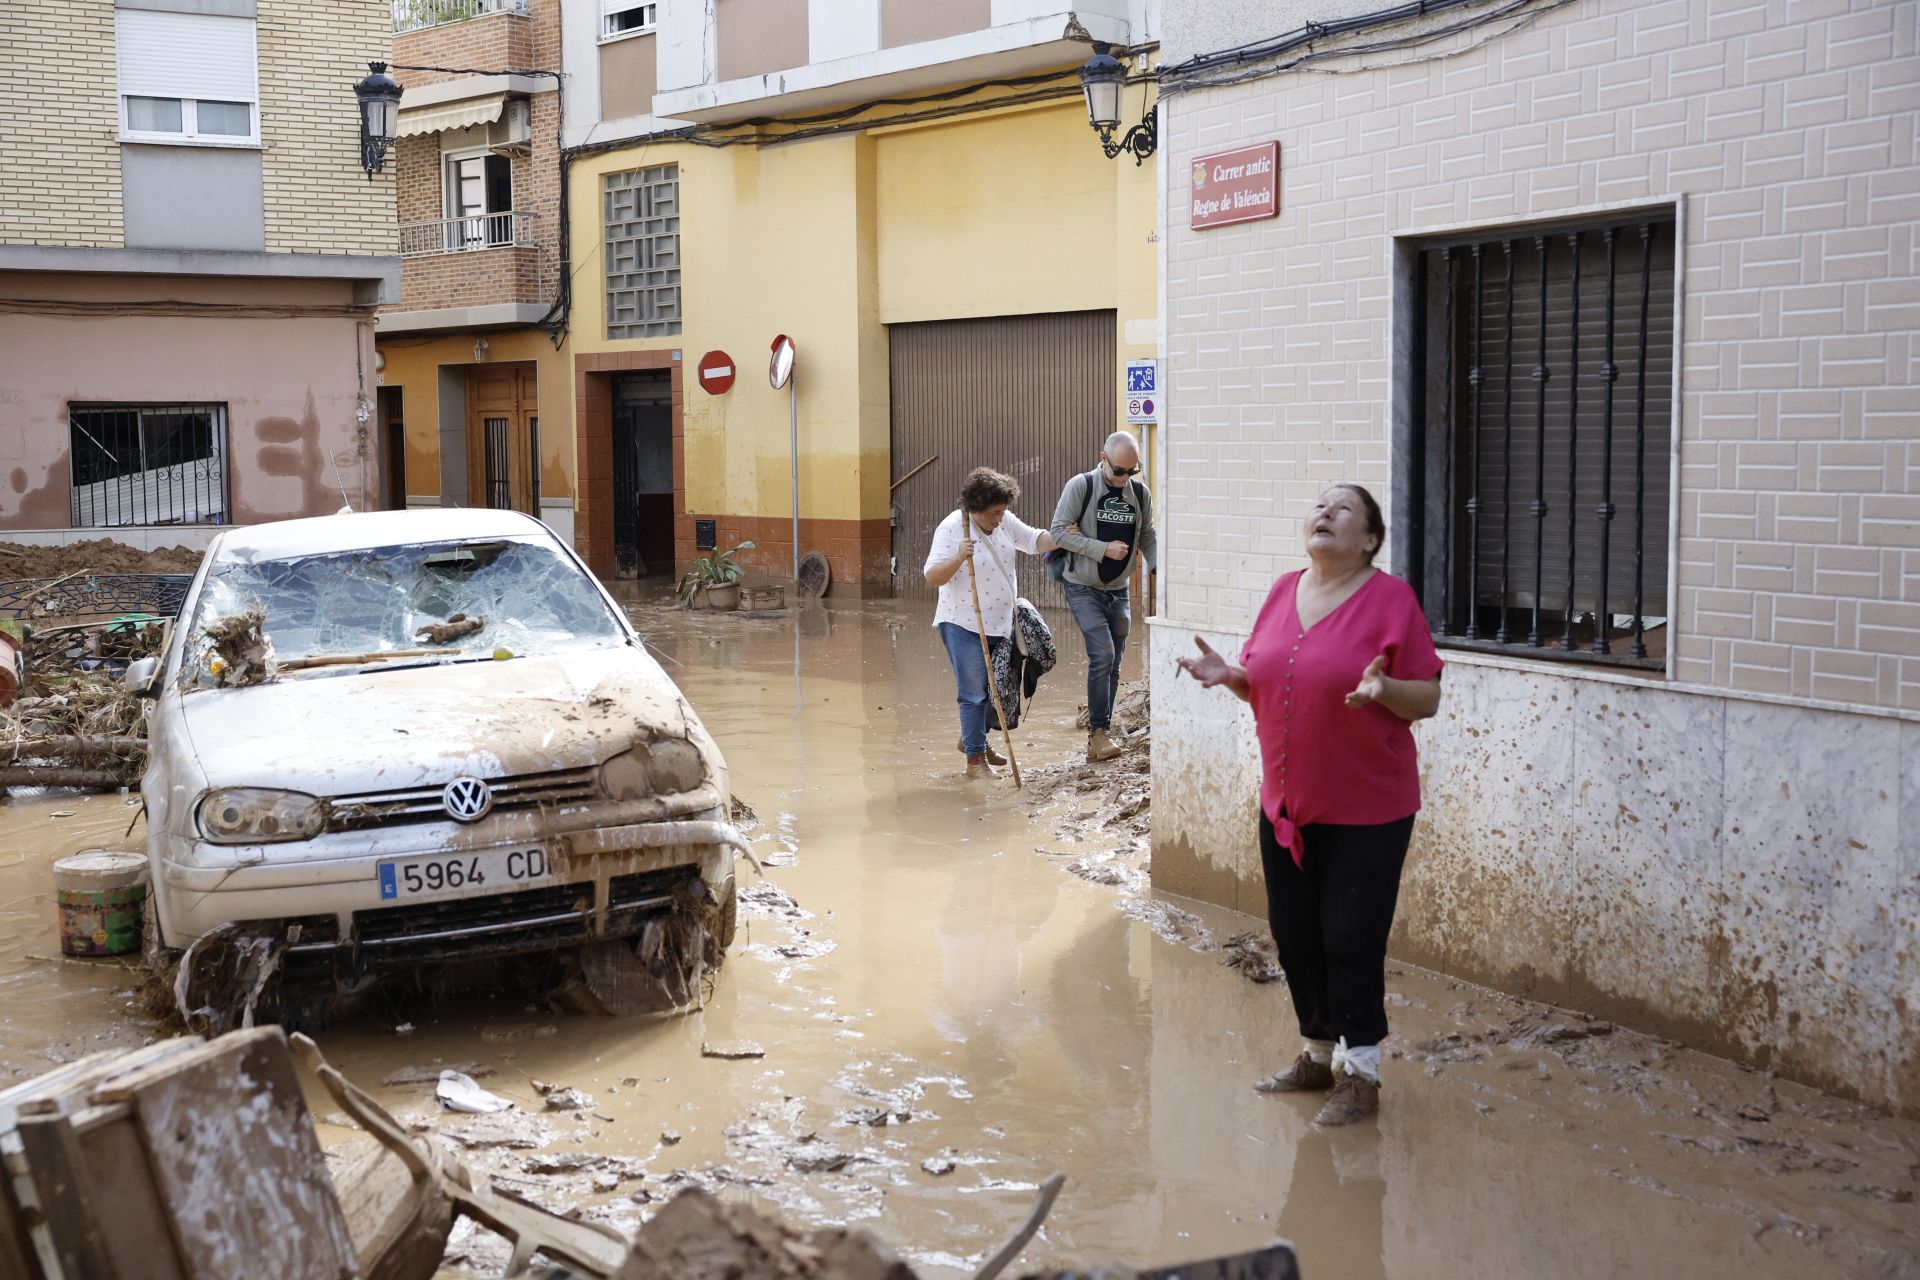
column 675, row 765
column 625, row 776
column 659, row 768
column 254, row 815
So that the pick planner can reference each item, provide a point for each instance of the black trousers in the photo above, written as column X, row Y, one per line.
column 1330, row 918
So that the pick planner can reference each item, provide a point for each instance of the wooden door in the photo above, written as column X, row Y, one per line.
column 502, row 406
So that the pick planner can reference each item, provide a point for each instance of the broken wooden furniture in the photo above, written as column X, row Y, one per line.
column 186, row 1160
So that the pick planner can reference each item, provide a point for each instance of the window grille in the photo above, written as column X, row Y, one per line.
column 643, row 252
column 1544, row 404
column 499, row 465
column 148, row 464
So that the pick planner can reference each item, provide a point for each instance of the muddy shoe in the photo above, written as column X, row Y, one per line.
column 994, row 758
column 1353, row 1098
column 977, row 767
column 1101, row 746
column 1304, row 1076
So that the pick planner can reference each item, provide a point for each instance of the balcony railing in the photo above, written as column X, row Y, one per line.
column 465, row 235
column 416, row 15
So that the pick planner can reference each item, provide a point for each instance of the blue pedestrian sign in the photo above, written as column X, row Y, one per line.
column 1142, row 396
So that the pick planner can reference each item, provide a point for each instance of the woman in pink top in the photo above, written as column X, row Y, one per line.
column 1339, row 663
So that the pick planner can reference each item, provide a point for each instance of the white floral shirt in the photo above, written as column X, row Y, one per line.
column 993, row 559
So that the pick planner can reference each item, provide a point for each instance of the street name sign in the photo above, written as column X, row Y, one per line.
column 1236, row 186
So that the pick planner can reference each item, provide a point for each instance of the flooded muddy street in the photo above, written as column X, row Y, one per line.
column 944, row 991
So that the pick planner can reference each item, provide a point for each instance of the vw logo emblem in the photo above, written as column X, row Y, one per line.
column 467, row 799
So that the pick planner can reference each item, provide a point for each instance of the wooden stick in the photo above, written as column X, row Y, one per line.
column 986, row 655
column 911, row 474
column 1049, row 1191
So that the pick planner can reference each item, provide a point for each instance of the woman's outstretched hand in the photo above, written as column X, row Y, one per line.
column 1373, row 684
column 1210, row 669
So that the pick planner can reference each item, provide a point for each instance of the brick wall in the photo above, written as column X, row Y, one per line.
column 318, row 199
column 62, row 77
column 1788, row 129
column 494, row 43
column 475, row 279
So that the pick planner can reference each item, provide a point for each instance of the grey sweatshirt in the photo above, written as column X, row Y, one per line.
column 1079, row 500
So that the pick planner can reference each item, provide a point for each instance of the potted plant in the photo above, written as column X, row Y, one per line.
column 718, row 574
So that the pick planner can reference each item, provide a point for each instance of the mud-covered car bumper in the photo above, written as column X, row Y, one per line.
column 601, row 881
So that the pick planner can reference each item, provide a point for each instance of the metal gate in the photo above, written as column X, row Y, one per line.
column 1033, row 396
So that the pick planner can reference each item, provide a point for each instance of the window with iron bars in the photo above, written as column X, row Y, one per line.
column 642, row 209
column 1543, row 394
column 135, row 464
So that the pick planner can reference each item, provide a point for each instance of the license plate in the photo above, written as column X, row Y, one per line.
column 438, row 874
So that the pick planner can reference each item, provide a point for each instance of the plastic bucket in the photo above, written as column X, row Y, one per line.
column 102, row 899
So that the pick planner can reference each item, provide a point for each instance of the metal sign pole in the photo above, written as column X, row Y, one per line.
column 793, row 447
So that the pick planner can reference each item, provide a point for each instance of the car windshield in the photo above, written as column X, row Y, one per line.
column 421, row 603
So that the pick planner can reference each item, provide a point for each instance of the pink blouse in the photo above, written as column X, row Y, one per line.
column 1321, row 760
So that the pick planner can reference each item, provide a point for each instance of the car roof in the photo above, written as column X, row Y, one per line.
column 355, row 531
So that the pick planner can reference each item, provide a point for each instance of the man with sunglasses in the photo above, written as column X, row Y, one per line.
column 1103, row 520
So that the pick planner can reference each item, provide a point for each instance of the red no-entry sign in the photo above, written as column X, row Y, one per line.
column 716, row 372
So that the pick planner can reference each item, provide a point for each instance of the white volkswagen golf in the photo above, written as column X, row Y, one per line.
column 393, row 739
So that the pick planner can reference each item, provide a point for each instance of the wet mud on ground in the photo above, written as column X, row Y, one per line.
column 944, row 992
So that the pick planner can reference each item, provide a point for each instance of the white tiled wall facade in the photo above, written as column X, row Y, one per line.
column 1790, row 130
column 1716, row 857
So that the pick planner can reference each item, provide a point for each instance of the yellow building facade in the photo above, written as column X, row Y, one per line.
column 976, row 220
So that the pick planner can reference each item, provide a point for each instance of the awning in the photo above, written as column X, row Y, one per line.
column 455, row 115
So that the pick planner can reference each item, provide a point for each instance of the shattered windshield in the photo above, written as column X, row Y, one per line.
column 409, row 603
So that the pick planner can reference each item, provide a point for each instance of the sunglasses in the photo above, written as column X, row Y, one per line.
column 1123, row 471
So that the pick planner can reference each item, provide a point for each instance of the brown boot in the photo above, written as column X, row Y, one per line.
column 1304, row 1076
column 1353, row 1098
column 1101, row 746
column 994, row 758
column 977, row 767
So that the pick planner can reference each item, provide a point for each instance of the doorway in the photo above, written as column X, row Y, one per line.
column 393, row 450
column 503, row 464
column 643, row 473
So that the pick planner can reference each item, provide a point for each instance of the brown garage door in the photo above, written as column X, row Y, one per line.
column 1032, row 396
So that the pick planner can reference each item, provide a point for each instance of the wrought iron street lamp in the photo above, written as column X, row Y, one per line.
column 379, row 96
column 1103, row 80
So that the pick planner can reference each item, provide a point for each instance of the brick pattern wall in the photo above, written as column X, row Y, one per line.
column 1790, row 129
column 62, row 75
column 473, row 279
column 318, row 199
column 496, row 42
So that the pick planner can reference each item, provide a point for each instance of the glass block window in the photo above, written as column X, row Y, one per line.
column 643, row 252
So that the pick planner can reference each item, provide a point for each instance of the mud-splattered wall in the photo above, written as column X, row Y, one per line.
column 290, row 369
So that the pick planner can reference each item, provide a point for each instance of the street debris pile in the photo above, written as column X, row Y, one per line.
column 95, row 555
column 200, row 1160
column 83, row 732
column 238, row 652
column 1253, row 955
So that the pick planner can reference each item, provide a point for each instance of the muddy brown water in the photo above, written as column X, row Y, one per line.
column 947, row 1016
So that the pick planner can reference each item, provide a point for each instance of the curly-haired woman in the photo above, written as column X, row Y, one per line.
column 990, row 538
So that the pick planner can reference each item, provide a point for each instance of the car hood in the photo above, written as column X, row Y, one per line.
column 378, row 730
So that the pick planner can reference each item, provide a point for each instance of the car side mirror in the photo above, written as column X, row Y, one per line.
column 140, row 677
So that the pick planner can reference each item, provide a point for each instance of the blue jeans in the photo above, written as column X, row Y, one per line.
column 1103, row 618
column 970, row 672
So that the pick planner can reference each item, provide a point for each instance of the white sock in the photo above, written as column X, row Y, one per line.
column 1320, row 1051
column 1363, row 1061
